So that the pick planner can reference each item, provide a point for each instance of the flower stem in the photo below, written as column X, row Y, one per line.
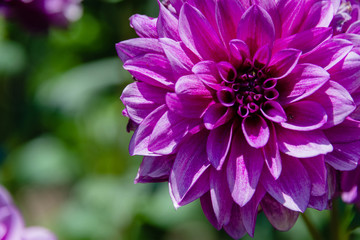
column 310, row 226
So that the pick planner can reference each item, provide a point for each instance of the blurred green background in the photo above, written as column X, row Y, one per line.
column 63, row 148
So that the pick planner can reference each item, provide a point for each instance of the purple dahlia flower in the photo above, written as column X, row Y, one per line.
column 12, row 224
column 237, row 104
column 39, row 15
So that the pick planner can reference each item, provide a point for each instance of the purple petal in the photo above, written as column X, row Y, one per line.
column 317, row 172
column 319, row 203
column 169, row 132
column 350, row 186
column 207, row 207
column 144, row 26
column 262, row 56
column 140, row 139
column 228, row 14
column 217, row 115
column 208, row 9
column 354, row 28
column 187, row 106
column 256, row 131
column 270, row 7
column 189, row 178
column 336, row 101
column 320, row 15
column 250, row 210
column 243, row 169
column 206, row 67
column 303, row 144
column 179, row 61
column 345, row 156
column 350, row 126
column 220, row 196
column 328, row 53
column 199, row 36
column 283, row 62
column 141, row 99
column 239, row 52
column 273, row 111
column 137, row 47
column 272, row 155
column 153, row 69
column 155, row 169
column 303, row 81
column 280, row 217
column 167, row 24
column 291, row 15
column 235, row 228
column 347, row 72
column 37, row 233
column 292, row 188
column 313, row 38
column 256, row 28
column 304, row 116
column 191, row 85
column 218, row 150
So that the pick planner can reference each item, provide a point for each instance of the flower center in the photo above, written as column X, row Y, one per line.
column 246, row 91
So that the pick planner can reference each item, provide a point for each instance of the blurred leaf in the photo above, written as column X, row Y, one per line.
column 74, row 90
column 44, row 161
column 355, row 223
column 12, row 58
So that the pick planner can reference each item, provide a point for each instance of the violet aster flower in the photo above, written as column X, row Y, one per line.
column 39, row 15
column 12, row 225
column 234, row 103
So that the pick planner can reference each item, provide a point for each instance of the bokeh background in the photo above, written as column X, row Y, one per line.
column 63, row 139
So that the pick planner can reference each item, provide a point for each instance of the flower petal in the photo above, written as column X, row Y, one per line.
column 320, row 15
column 350, row 186
column 153, row 69
column 199, row 36
column 336, row 101
column 235, row 228
column 303, row 144
column 250, row 210
column 291, row 15
column 345, row 156
column 273, row 111
column 328, row 53
column 179, row 61
column 256, row 131
column 317, row 172
column 140, row 139
column 303, row 81
column 189, row 178
column 243, row 169
column 220, row 196
column 272, row 154
column 304, row 116
column 256, row 28
column 280, row 217
column 206, row 205
column 167, row 24
column 187, row 106
column 228, row 14
column 349, row 126
column 313, row 37
column 144, row 26
column 217, row 115
column 155, row 169
column 292, row 188
column 137, row 47
column 191, row 86
column 283, row 62
column 347, row 72
column 140, row 99
column 169, row 131
column 270, row 7
column 217, row 150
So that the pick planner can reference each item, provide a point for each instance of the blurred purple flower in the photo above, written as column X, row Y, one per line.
column 39, row 15
column 12, row 224
column 237, row 104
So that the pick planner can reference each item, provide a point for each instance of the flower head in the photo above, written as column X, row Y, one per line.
column 39, row 15
column 234, row 103
column 12, row 224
